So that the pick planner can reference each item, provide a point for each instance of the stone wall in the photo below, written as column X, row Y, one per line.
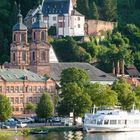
column 98, row 27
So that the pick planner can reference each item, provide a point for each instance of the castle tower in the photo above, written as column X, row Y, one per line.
column 19, row 50
column 39, row 48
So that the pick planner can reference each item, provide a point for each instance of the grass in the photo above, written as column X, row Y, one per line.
column 23, row 131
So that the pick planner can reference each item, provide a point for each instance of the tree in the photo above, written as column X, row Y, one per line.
column 52, row 31
column 94, row 14
column 109, row 10
column 31, row 107
column 45, row 107
column 5, row 108
column 73, row 99
column 101, row 95
column 73, row 74
column 83, row 7
column 126, row 96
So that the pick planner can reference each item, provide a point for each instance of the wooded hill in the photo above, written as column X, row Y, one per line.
column 125, row 40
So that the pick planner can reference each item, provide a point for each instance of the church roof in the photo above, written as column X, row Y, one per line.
column 19, row 26
column 94, row 73
column 20, row 75
column 55, row 7
column 39, row 23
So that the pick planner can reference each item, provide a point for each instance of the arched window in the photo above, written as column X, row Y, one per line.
column 34, row 36
column 14, row 37
column 23, row 56
column 43, row 35
column 43, row 55
column 33, row 56
column 22, row 37
column 14, row 57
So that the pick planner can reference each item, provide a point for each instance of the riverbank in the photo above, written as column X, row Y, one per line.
column 27, row 131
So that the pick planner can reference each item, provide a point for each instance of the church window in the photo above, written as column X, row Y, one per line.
column 22, row 37
column 43, row 35
column 33, row 56
column 43, row 56
column 34, row 36
column 14, row 57
column 23, row 56
column 14, row 37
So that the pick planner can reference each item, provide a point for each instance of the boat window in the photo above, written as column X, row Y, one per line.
column 113, row 121
column 99, row 122
column 121, row 121
column 106, row 121
column 93, row 122
column 136, row 121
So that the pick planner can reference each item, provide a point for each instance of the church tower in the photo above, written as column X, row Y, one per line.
column 19, row 50
column 39, row 48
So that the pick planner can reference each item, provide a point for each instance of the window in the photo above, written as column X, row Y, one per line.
column 30, row 99
column 17, row 100
column 33, row 56
column 35, row 99
column 54, row 18
column 113, row 121
column 78, row 18
column 43, row 35
column 7, row 89
column 43, row 55
column 22, row 37
column 61, row 24
column 14, row 57
column 17, row 109
column 12, row 100
column 14, row 37
column 21, row 100
column 34, row 36
column 12, row 88
column 78, row 25
column 106, row 121
column 23, row 56
column 99, row 122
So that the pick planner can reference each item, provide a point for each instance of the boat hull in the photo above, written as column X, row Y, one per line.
column 107, row 129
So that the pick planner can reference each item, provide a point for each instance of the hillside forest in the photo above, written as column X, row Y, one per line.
column 121, row 44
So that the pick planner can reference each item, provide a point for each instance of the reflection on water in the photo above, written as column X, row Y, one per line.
column 79, row 136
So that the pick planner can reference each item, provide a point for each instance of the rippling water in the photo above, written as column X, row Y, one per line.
column 80, row 136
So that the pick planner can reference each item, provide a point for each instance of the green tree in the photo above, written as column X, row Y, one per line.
column 83, row 7
column 73, row 74
column 126, row 96
column 73, row 99
column 31, row 107
column 45, row 107
column 109, row 10
column 52, row 31
column 5, row 108
column 94, row 14
column 101, row 95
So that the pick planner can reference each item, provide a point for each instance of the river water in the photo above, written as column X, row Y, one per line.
column 79, row 136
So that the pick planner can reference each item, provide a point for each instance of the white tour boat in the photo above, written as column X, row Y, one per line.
column 113, row 120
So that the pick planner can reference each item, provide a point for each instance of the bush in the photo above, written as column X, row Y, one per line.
column 25, row 131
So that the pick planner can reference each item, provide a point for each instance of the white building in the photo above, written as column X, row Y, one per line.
column 62, row 15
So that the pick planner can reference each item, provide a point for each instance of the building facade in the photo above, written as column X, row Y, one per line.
column 60, row 14
column 22, row 87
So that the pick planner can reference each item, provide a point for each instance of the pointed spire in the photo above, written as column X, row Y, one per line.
column 19, row 15
column 40, row 15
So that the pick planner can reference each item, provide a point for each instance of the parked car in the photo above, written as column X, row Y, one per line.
column 26, row 120
column 21, row 124
column 5, row 126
